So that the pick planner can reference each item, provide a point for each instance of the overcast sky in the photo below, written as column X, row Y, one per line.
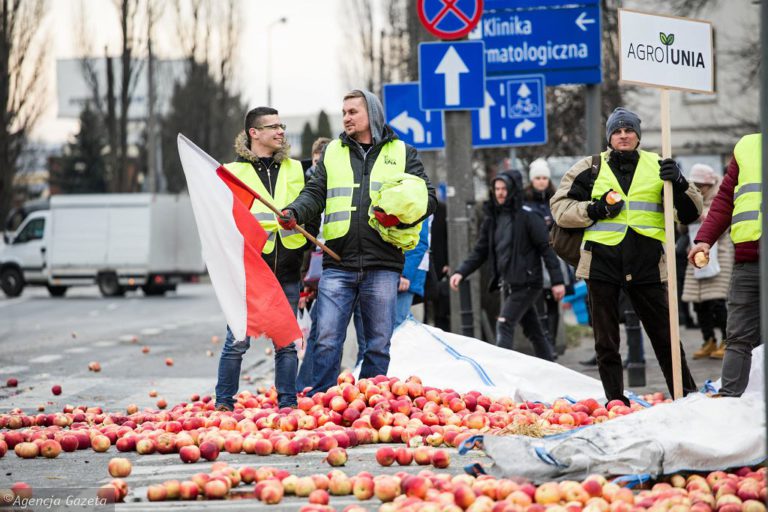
column 306, row 54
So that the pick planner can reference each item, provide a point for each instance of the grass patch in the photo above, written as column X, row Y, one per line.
column 575, row 333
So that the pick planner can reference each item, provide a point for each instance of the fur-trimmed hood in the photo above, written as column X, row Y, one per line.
column 243, row 150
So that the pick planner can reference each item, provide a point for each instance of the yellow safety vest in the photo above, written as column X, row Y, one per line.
column 341, row 184
column 643, row 210
column 290, row 182
column 748, row 195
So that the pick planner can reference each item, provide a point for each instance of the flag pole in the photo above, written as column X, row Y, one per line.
column 300, row 229
column 277, row 212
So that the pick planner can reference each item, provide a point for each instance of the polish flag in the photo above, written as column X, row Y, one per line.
column 249, row 294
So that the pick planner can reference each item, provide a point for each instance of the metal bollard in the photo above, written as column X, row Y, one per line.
column 636, row 362
column 467, row 317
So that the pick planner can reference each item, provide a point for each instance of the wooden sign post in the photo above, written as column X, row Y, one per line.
column 668, row 53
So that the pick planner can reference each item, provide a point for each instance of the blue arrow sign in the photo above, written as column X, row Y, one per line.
column 451, row 75
column 514, row 113
column 563, row 44
column 422, row 129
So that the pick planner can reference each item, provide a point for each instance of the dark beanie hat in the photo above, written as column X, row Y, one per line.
column 622, row 118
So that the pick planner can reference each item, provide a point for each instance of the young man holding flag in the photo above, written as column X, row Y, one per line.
column 264, row 166
column 375, row 193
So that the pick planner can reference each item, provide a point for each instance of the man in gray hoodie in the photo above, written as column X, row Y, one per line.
column 351, row 168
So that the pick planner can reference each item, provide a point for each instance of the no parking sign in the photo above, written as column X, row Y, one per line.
column 449, row 19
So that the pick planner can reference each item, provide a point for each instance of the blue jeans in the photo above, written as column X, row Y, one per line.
column 339, row 290
column 360, row 333
column 305, row 370
column 404, row 301
column 286, row 363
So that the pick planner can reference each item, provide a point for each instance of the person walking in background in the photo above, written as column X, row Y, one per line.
column 538, row 192
column 414, row 274
column 707, row 288
column 375, row 193
column 623, row 245
column 264, row 165
column 514, row 240
column 737, row 205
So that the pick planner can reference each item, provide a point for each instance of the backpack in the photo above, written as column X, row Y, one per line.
column 567, row 241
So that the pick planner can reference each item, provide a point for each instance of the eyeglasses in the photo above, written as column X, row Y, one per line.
column 277, row 126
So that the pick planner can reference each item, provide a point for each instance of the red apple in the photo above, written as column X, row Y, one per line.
column 319, row 497
column 209, row 450
column 441, row 459
column 56, row 390
column 157, row 492
column 188, row 490
column 385, row 456
column 50, row 449
column 337, row 457
column 404, row 456
column 189, row 454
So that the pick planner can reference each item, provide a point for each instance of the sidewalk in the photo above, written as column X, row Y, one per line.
column 702, row 369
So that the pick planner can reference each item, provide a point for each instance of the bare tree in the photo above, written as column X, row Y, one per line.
column 22, row 54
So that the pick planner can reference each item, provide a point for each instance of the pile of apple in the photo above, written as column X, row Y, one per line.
column 744, row 490
column 377, row 410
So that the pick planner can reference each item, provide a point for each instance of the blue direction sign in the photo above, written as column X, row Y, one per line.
column 492, row 5
column 422, row 129
column 451, row 75
column 562, row 43
column 514, row 114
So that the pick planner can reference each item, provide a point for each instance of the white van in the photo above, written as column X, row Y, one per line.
column 118, row 241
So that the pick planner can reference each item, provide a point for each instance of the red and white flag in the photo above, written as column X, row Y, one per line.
column 250, row 296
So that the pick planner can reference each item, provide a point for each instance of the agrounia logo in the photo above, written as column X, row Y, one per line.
column 665, row 54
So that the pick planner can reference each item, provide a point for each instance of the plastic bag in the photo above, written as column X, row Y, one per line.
column 304, row 320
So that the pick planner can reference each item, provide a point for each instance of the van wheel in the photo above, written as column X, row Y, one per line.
column 109, row 286
column 57, row 291
column 11, row 281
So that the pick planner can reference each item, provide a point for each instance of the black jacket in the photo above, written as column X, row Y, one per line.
column 285, row 263
column 529, row 245
column 362, row 247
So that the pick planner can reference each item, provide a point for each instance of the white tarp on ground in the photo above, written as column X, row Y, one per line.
column 446, row 360
column 695, row 433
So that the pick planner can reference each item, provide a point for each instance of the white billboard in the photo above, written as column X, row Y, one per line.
column 73, row 91
column 666, row 51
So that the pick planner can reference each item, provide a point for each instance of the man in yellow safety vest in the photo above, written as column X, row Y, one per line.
column 738, row 205
column 375, row 193
column 620, row 209
column 264, row 164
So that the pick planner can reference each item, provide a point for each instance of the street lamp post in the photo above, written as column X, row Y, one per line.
column 269, row 56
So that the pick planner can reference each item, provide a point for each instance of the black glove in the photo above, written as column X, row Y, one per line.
column 670, row 171
column 287, row 220
column 600, row 209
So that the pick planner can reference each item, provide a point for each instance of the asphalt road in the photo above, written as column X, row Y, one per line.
column 46, row 341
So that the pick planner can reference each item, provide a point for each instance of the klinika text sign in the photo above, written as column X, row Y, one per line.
column 665, row 51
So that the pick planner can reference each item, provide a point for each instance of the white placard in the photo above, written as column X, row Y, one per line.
column 666, row 51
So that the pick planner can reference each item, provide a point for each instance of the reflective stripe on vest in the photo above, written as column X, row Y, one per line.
column 341, row 182
column 643, row 210
column 290, row 182
column 747, row 195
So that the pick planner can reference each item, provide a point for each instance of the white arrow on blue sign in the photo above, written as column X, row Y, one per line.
column 452, row 75
column 422, row 129
column 514, row 113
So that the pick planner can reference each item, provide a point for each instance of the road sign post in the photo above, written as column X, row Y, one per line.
column 452, row 78
column 649, row 56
